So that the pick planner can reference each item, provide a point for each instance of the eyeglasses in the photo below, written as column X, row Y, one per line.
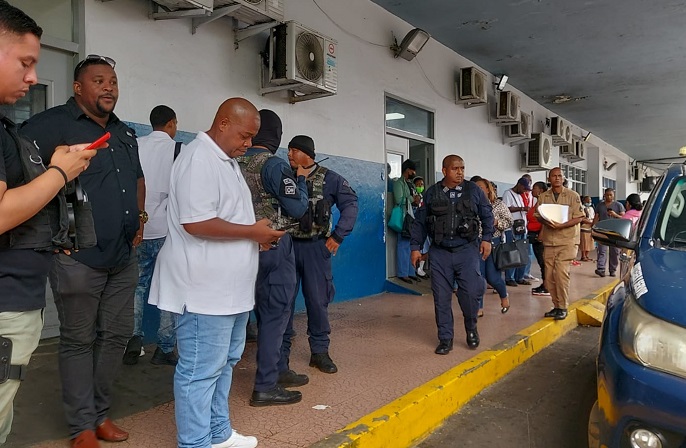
column 95, row 58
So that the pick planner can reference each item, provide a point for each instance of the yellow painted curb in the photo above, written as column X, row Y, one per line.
column 420, row 411
column 590, row 313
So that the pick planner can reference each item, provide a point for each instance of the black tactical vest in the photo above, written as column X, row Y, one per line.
column 53, row 226
column 264, row 204
column 449, row 221
column 317, row 219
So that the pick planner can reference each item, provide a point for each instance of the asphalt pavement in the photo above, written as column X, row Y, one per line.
column 545, row 402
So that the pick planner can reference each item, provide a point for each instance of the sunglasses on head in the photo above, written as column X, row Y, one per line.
column 96, row 58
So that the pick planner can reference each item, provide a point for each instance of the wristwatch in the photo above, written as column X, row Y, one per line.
column 143, row 216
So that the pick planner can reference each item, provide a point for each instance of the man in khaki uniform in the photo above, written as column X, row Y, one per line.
column 561, row 241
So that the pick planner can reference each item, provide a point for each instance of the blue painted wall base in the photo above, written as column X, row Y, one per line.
column 359, row 267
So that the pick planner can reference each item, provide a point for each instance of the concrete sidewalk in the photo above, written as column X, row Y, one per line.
column 383, row 346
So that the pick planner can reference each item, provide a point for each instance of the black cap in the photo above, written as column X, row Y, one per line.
column 303, row 143
column 408, row 164
column 270, row 131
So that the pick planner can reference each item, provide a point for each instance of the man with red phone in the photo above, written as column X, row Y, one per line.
column 94, row 287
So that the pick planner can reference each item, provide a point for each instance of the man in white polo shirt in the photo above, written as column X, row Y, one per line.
column 211, row 222
column 157, row 152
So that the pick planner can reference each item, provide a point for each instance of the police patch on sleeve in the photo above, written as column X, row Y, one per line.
column 346, row 184
column 288, row 187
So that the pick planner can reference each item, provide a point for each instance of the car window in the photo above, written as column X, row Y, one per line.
column 672, row 225
column 638, row 229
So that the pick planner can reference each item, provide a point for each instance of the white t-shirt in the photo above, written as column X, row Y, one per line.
column 512, row 199
column 156, row 152
column 206, row 276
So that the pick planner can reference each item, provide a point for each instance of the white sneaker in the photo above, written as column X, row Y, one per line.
column 237, row 441
column 531, row 278
column 420, row 272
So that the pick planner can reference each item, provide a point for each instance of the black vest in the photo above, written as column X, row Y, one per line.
column 448, row 222
column 51, row 227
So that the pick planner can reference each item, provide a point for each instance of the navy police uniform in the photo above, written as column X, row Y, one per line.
column 313, row 259
column 451, row 217
column 276, row 279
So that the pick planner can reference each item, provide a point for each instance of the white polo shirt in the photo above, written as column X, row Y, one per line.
column 156, row 152
column 202, row 275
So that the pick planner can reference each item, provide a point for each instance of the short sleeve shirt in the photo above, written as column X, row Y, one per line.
column 602, row 209
column 202, row 275
column 512, row 199
column 110, row 180
column 156, row 152
column 568, row 235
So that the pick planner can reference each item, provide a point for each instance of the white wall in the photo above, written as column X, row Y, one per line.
column 162, row 62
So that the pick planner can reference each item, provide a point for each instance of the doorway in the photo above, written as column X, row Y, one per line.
column 409, row 135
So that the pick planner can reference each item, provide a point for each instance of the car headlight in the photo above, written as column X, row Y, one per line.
column 650, row 341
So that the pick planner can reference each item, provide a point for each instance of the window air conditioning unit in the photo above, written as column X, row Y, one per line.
column 522, row 129
column 471, row 87
column 575, row 151
column 538, row 153
column 560, row 131
column 302, row 61
column 648, row 183
column 507, row 109
column 580, row 149
column 255, row 11
column 567, row 150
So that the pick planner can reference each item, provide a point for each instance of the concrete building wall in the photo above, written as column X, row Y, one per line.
column 162, row 62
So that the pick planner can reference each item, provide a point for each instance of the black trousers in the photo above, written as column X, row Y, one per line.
column 537, row 246
column 95, row 308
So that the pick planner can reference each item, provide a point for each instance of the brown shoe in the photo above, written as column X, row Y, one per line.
column 110, row 432
column 85, row 439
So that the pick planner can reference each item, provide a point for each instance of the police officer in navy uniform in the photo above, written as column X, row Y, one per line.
column 279, row 197
column 315, row 243
column 450, row 215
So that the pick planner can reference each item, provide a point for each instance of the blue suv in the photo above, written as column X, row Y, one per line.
column 642, row 357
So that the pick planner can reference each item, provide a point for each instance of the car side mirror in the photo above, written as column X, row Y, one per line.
column 614, row 232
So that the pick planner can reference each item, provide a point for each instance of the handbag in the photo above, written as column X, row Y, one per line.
column 407, row 226
column 512, row 254
column 408, row 221
column 395, row 222
column 518, row 227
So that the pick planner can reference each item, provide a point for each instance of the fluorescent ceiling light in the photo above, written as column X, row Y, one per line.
column 394, row 116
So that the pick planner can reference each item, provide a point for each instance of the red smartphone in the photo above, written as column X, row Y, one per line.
column 99, row 141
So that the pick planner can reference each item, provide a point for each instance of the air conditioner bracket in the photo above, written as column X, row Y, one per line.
column 516, row 141
column 216, row 14
column 250, row 31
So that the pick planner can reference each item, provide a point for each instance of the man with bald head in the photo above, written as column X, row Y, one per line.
column 450, row 214
column 211, row 221
column 561, row 241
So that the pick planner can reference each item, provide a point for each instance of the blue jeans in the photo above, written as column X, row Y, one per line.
column 516, row 274
column 404, row 266
column 527, row 268
column 493, row 276
column 147, row 255
column 209, row 347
